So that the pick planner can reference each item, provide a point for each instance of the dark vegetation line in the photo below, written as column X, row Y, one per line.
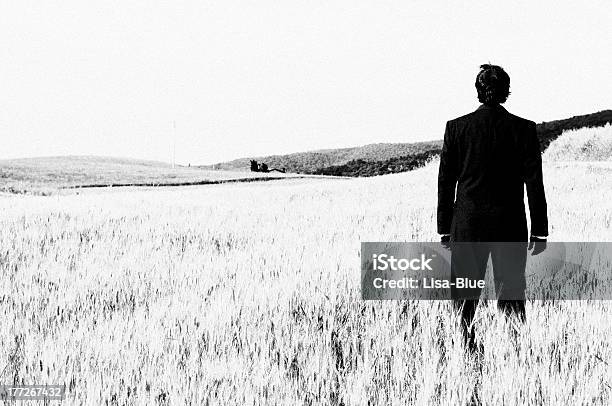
column 361, row 168
column 193, row 183
column 547, row 132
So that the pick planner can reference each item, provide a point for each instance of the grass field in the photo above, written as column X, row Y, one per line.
column 249, row 294
column 44, row 176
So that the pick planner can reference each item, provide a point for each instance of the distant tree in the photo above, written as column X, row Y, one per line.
column 263, row 168
column 254, row 166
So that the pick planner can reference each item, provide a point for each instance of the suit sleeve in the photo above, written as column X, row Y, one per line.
column 535, row 184
column 447, row 181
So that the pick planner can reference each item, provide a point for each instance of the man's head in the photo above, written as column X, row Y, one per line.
column 492, row 84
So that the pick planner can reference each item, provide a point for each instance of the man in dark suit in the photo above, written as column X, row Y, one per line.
column 487, row 158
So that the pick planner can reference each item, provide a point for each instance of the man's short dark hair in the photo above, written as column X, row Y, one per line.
column 492, row 84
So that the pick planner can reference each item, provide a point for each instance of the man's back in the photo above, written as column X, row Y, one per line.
column 488, row 155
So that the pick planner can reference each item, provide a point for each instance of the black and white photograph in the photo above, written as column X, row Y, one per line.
column 305, row 202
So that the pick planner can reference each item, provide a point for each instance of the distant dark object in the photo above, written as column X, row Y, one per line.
column 256, row 167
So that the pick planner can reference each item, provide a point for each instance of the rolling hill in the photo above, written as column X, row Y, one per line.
column 311, row 161
column 383, row 158
column 47, row 175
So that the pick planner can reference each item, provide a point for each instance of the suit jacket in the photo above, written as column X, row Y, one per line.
column 487, row 158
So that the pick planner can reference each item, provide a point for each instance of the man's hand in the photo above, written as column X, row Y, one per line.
column 445, row 241
column 537, row 244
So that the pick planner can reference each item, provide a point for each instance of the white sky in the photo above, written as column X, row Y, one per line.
column 261, row 77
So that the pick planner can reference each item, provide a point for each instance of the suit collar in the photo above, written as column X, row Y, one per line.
column 497, row 107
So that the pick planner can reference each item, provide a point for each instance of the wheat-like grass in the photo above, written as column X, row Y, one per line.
column 249, row 294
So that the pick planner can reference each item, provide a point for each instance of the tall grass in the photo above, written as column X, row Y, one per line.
column 584, row 144
column 249, row 294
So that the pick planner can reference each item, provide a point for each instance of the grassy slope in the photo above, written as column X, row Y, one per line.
column 45, row 175
column 585, row 144
column 307, row 162
column 377, row 159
